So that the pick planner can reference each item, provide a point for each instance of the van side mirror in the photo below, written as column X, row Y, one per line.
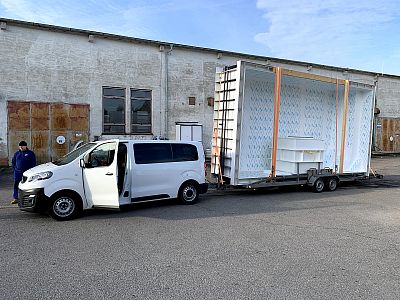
column 84, row 162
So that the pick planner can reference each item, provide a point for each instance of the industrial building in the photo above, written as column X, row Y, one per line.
column 62, row 86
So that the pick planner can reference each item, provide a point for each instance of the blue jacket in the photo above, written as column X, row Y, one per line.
column 23, row 160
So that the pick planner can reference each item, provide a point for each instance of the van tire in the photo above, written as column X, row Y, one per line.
column 65, row 206
column 189, row 193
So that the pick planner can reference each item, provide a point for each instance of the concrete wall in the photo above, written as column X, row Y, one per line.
column 43, row 65
column 46, row 66
column 388, row 97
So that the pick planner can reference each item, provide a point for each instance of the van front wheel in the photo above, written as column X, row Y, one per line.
column 189, row 193
column 64, row 207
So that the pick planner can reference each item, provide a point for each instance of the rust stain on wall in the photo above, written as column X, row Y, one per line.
column 40, row 144
column 60, row 116
column 39, row 124
column 79, row 115
column 40, row 116
column 18, row 115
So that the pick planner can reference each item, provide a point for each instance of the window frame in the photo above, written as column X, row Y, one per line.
column 150, row 100
column 107, row 98
column 127, row 113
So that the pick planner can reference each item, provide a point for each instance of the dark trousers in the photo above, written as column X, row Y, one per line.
column 17, row 179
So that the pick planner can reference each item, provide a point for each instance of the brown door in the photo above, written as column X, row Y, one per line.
column 388, row 134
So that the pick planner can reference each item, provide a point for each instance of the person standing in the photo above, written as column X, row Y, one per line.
column 23, row 160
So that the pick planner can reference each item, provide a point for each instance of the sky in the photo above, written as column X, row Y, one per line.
column 357, row 34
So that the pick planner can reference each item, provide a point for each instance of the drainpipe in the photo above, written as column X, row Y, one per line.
column 166, row 89
column 161, row 98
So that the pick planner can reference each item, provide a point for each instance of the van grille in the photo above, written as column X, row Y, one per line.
column 26, row 201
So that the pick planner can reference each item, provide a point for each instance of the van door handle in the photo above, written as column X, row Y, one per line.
column 109, row 173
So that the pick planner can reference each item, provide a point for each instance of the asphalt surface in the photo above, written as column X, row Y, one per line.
column 275, row 244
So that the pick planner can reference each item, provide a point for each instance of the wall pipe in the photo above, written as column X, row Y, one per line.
column 166, row 90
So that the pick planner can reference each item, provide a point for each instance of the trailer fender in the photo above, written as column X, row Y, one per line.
column 314, row 178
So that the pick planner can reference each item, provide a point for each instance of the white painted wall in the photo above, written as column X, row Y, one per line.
column 41, row 65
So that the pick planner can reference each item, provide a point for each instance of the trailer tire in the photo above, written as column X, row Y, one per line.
column 318, row 186
column 188, row 192
column 65, row 206
column 332, row 184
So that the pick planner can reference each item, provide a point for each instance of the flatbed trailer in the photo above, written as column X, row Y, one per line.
column 278, row 127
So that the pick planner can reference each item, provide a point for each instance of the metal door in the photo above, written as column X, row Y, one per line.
column 50, row 129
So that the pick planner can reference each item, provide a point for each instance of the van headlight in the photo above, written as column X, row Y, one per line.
column 40, row 176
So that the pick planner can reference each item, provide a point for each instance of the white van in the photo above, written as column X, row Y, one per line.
column 113, row 173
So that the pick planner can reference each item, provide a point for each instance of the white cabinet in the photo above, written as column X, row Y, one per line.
column 298, row 154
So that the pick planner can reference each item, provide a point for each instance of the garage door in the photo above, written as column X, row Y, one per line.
column 50, row 129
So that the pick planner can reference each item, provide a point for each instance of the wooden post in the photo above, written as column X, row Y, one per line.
column 277, row 100
column 337, row 125
column 344, row 124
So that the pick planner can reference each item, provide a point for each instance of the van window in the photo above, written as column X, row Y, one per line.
column 102, row 156
column 184, row 152
column 66, row 159
column 152, row 153
column 163, row 153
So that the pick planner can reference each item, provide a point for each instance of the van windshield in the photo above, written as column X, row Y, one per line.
column 66, row 159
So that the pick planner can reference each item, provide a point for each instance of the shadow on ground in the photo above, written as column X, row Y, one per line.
column 228, row 202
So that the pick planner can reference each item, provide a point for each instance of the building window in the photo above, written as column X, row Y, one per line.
column 113, row 110
column 140, row 111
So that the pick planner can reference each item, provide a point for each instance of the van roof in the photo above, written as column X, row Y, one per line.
column 151, row 141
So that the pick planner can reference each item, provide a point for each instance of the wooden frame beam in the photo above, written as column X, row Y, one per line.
column 277, row 100
column 312, row 76
column 344, row 124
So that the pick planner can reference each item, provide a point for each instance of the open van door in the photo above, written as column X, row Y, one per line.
column 100, row 175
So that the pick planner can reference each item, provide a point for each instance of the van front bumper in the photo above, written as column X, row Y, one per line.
column 33, row 200
column 203, row 188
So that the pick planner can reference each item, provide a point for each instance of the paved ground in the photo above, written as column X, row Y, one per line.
column 287, row 244
column 386, row 165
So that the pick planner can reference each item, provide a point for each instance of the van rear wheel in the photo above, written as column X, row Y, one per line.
column 189, row 193
column 64, row 207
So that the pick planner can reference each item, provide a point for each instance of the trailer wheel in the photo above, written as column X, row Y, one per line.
column 189, row 193
column 332, row 184
column 64, row 206
column 319, row 185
